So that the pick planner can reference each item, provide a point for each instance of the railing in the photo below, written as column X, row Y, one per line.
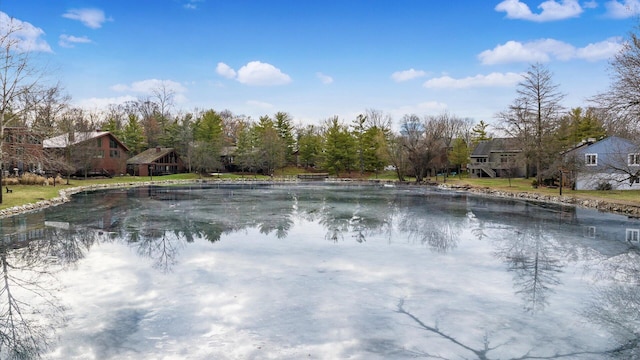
column 487, row 167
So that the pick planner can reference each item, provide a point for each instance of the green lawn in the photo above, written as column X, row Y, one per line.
column 524, row 185
column 25, row 194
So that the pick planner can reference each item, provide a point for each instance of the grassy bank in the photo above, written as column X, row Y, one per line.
column 25, row 194
column 631, row 197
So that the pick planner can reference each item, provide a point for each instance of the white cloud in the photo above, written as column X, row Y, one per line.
column 432, row 105
column 254, row 73
column 92, row 18
column 420, row 108
column 147, row 86
column 225, row 70
column 69, row 41
column 26, row 36
column 259, row 104
column 491, row 80
column 325, row 79
column 550, row 10
column 544, row 50
column 103, row 103
column 590, row 4
column 622, row 9
column 601, row 50
column 406, row 75
column 262, row 74
column 192, row 4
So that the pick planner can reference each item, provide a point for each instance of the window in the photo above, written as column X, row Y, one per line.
column 99, row 142
column 99, row 154
column 113, row 144
column 634, row 159
column 114, row 153
column 32, row 139
column 590, row 231
column 633, row 235
column 506, row 158
column 591, row 159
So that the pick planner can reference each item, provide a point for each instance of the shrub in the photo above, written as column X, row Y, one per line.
column 604, row 186
column 534, row 183
column 31, row 179
column 58, row 180
column 10, row 181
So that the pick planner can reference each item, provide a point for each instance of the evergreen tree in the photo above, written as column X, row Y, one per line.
column 207, row 134
column 373, row 140
column 247, row 154
column 339, row 147
column 270, row 145
column 179, row 135
column 133, row 135
column 579, row 125
column 459, row 154
column 284, row 127
column 310, row 146
column 479, row 132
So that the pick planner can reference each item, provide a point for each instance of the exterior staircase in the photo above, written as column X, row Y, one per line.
column 488, row 170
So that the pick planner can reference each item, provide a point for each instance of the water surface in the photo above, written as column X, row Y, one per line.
column 325, row 272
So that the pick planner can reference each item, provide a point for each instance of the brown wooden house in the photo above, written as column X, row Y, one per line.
column 155, row 161
column 89, row 153
column 22, row 151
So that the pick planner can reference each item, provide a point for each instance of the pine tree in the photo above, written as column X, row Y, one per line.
column 133, row 135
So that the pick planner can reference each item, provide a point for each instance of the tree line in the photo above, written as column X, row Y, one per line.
column 425, row 145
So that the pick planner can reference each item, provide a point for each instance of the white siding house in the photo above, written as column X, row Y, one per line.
column 613, row 160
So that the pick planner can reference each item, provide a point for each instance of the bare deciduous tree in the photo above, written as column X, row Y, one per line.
column 622, row 99
column 18, row 78
column 533, row 116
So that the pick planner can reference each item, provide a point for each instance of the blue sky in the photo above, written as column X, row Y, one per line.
column 316, row 59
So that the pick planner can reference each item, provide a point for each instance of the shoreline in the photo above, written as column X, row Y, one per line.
column 600, row 205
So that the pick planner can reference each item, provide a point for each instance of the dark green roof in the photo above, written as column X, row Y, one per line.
column 149, row 156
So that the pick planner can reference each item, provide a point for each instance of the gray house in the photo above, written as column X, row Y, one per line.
column 611, row 161
column 496, row 158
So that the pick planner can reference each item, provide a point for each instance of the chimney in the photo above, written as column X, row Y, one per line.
column 157, row 149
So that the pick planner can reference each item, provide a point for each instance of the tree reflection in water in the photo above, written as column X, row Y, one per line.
column 159, row 223
column 616, row 303
column 31, row 255
column 534, row 260
column 484, row 352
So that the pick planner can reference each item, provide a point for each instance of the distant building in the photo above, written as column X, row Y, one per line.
column 156, row 161
column 611, row 162
column 22, row 150
column 89, row 153
column 497, row 158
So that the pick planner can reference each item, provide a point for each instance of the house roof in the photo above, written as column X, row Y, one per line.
column 608, row 145
column 149, row 156
column 63, row 141
column 486, row 147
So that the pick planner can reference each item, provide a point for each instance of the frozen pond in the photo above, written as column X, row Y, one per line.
column 319, row 272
